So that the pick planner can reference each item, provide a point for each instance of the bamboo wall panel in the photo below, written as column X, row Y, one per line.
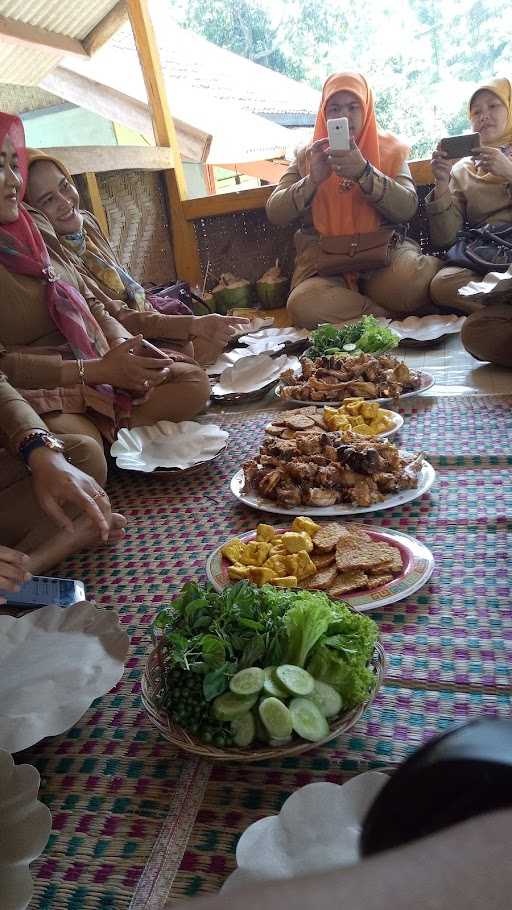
column 247, row 244
column 138, row 224
column 244, row 243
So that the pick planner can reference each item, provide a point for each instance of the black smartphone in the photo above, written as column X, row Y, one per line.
column 41, row 591
column 460, row 146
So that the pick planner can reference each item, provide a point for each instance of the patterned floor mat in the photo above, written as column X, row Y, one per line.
column 123, row 801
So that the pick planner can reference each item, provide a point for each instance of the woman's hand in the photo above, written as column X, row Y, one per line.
column 124, row 368
column 441, row 168
column 494, row 161
column 350, row 164
column 13, row 570
column 58, row 483
column 320, row 168
column 219, row 329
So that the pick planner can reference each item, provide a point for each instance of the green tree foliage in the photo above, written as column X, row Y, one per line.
column 423, row 58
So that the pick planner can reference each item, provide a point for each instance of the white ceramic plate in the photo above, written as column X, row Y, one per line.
column 252, row 373
column 227, row 359
column 168, row 445
column 426, row 382
column 53, row 663
column 317, row 829
column 427, row 328
column 418, row 565
column 426, row 478
column 24, row 831
column 272, row 339
column 398, row 422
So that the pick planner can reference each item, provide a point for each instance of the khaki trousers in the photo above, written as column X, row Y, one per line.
column 23, row 524
column 400, row 289
column 445, row 286
column 487, row 334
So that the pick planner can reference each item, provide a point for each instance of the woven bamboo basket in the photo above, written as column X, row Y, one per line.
column 152, row 687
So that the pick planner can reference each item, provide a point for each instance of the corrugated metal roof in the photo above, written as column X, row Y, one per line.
column 22, row 64
column 190, row 60
column 73, row 18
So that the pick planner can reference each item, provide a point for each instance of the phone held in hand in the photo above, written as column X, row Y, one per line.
column 150, row 350
column 42, row 590
column 461, row 146
column 337, row 131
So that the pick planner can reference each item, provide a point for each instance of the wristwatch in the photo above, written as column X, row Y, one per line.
column 37, row 438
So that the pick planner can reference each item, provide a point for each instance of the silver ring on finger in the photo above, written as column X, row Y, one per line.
column 99, row 494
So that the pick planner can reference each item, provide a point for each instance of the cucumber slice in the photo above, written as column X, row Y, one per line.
column 326, row 698
column 308, row 722
column 271, row 687
column 244, row 730
column 247, row 682
column 276, row 718
column 280, row 742
column 295, row 679
column 228, row 706
column 261, row 730
column 350, row 347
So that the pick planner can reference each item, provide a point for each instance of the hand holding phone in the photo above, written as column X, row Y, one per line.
column 42, row 590
column 460, row 146
column 150, row 350
column 337, row 131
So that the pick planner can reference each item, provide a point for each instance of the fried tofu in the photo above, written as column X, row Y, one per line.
column 289, row 581
column 302, row 523
column 254, row 553
column 233, row 549
column 237, row 572
column 297, row 540
column 260, row 575
column 265, row 532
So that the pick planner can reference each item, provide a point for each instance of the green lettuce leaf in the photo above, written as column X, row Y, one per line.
column 353, row 682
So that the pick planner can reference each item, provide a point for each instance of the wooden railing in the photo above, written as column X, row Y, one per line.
column 256, row 198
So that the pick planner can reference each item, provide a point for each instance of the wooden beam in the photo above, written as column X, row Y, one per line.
column 80, row 159
column 104, row 30
column 421, row 172
column 225, row 203
column 186, row 254
column 120, row 108
column 96, row 203
column 271, row 171
column 23, row 33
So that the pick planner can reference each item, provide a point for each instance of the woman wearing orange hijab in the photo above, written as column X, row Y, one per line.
column 476, row 191
column 343, row 193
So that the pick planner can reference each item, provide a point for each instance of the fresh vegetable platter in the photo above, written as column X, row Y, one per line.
column 256, row 673
column 367, row 335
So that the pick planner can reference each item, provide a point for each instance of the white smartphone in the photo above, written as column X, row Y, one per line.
column 337, row 131
column 41, row 590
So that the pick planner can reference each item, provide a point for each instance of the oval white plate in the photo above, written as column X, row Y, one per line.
column 24, row 831
column 252, row 373
column 426, row 478
column 53, row 663
column 398, row 422
column 317, row 829
column 427, row 328
column 427, row 381
column 168, row 445
column 417, row 559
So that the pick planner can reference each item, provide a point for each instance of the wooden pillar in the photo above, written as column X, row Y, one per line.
column 96, row 203
column 184, row 242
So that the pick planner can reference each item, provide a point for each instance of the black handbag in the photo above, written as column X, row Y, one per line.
column 178, row 299
column 483, row 249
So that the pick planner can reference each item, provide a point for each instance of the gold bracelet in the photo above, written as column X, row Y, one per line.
column 81, row 371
